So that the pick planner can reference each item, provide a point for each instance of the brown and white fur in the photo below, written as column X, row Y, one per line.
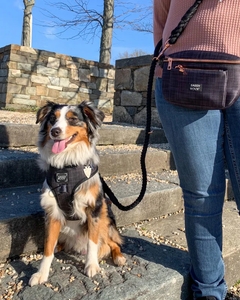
column 95, row 232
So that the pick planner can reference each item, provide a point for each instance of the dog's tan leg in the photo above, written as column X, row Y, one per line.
column 52, row 234
column 92, row 266
column 59, row 248
column 117, row 256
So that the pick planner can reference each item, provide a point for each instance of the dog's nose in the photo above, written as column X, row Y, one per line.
column 56, row 132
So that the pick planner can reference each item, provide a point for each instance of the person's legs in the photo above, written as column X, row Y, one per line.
column 197, row 142
column 232, row 147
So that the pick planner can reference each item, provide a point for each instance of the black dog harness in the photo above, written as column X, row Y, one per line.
column 65, row 182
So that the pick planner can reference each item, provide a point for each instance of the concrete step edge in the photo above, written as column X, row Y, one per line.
column 17, row 135
column 19, row 168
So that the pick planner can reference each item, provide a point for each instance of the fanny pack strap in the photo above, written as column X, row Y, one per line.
column 176, row 33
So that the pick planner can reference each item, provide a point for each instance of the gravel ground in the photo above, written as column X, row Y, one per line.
column 27, row 117
column 17, row 117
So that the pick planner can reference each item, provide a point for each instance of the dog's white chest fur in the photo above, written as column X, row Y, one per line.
column 74, row 237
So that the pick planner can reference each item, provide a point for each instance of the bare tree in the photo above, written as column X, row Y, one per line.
column 90, row 22
column 27, row 23
column 144, row 26
column 107, row 30
column 135, row 53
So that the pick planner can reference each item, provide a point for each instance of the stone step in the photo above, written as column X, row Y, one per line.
column 169, row 230
column 156, row 268
column 18, row 135
column 19, row 166
column 20, row 208
column 21, row 219
column 151, row 272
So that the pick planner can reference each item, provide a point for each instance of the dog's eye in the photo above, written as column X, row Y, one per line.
column 52, row 119
column 73, row 119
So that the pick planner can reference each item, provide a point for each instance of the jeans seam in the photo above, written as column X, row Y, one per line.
column 225, row 294
column 232, row 153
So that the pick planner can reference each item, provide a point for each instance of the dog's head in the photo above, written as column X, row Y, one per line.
column 67, row 125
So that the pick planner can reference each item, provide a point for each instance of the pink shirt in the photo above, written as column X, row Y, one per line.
column 214, row 27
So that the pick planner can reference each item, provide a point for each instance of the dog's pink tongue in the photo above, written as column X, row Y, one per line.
column 59, row 146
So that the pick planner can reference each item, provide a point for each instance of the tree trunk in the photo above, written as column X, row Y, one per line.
column 27, row 23
column 107, row 29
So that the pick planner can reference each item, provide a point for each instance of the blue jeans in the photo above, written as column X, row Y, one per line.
column 200, row 140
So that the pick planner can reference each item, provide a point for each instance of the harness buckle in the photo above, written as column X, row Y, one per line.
column 62, row 189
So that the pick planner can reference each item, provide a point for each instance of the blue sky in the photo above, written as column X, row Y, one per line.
column 43, row 38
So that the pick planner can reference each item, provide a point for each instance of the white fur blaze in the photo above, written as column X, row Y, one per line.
column 61, row 123
column 42, row 275
column 92, row 266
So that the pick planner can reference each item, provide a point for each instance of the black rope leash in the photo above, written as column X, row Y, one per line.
column 175, row 34
column 106, row 188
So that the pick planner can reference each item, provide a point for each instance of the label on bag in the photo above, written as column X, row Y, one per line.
column 196, row 87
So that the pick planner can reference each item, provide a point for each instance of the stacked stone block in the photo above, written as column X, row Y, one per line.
column 4, row 62
column 30, row 77
column 130, row 98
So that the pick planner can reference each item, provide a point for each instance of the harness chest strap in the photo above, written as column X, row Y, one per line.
column 66, row 181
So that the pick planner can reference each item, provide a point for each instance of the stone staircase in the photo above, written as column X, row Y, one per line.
column 158, row 215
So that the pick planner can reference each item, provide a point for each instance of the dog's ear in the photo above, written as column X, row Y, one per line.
column 42, row 112
column 93, row 116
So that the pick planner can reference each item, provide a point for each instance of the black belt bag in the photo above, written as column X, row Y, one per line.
column 198, row 79
column 201, row 79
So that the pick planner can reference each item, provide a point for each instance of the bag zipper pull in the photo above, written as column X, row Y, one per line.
column 169, row 67
column 181, row 69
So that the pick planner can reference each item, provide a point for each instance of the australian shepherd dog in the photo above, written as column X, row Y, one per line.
column 78, row 217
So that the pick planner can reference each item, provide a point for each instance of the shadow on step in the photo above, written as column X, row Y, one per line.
column 27, row 234
column 161, row 260
column 4, row 140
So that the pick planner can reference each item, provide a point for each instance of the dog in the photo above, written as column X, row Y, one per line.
column 78, row 217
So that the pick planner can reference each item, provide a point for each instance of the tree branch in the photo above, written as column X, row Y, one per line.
column 88, row 21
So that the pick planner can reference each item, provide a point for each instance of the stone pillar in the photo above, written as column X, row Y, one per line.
column 130, row 98
column 4, row 61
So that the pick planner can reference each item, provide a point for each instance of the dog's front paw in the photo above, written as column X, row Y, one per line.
column 91, row 270
column 38, row 278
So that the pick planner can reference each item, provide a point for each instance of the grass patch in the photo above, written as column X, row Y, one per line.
column 21, row 109
column 237, row 283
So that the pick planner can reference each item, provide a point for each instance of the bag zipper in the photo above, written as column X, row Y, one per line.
column 170, row 61
column 183, row 69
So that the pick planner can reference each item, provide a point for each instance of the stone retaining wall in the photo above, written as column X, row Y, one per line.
column 131, row 81
column 30, row 77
